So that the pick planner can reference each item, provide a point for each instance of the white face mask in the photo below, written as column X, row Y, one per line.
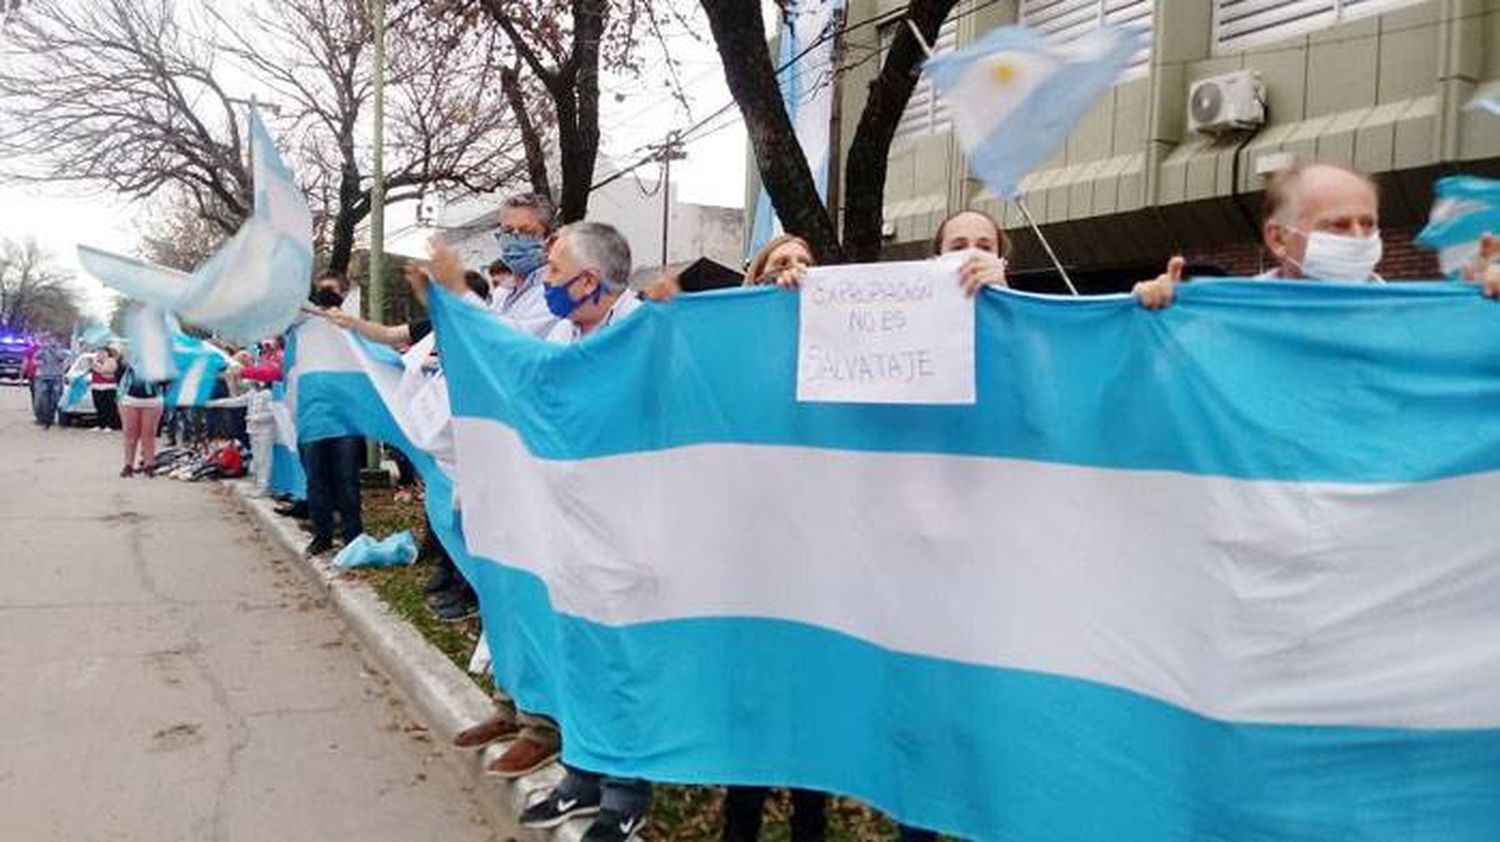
column 1335, row 257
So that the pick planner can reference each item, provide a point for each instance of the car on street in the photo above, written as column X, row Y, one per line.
column 14, row 350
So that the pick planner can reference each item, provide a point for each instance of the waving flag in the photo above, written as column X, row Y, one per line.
column 1467, row 208
column 1016, row 96
column 199, row 364
column 1200, row 574
column 254, row 284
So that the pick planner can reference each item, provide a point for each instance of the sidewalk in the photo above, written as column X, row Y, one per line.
column 170, row 678
column 445, row 697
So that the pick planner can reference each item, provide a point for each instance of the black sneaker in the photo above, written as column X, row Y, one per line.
column 456, row 611
column 613, row 826
column 554, row 810
column 441, row 580
column 297, row 509
column 318, row 546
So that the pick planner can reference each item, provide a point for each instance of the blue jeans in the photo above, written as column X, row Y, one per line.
column 332, row 468
column 627, row 796
column 48, row 393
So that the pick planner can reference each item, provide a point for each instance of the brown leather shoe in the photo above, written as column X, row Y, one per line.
column 498, row 727
column 524, row 756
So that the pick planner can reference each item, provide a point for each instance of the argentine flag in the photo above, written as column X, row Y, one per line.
column 1223, row 572
column 254, row 285
column 1467, row 207
column 161, row 351
column 1016, row 96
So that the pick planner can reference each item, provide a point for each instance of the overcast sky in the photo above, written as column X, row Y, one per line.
column 634, row 114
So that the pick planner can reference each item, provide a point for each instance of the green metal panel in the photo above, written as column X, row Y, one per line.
column 1414, row 134
column 1341, row 73
column 1408, row 54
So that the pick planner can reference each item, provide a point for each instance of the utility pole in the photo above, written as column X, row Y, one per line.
column 671, row 151
column 374, row 474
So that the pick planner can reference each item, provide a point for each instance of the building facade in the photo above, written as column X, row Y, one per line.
column 1378, row 85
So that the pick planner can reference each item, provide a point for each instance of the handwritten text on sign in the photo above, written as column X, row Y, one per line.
column 886, row 333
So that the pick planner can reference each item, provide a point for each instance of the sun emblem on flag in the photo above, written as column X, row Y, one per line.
column 1004, row 73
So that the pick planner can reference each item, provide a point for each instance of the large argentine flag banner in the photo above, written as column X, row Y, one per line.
column 1221, row 572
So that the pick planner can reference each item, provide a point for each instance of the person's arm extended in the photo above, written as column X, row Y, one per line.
column 392, row 335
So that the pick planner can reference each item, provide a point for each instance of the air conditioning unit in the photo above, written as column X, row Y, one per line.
column 1228, row 103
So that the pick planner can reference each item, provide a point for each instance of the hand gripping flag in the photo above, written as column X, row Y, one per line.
column 255, row 283
column 1016, row 96
column 1467, row 207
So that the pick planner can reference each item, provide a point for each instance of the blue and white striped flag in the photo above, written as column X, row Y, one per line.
column 1466, row 208
column 1016, row 96
column 287, row 476
column 1237, row 583
column 199, row 365
column 255, row 283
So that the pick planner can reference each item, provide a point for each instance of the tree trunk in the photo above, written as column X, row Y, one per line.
column 531, row 139
column 740, row 36
column 576, row 96
column 869, row 151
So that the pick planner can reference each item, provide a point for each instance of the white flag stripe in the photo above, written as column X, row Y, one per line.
column 1338, row 597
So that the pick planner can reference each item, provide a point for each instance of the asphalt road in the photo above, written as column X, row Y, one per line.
column 165, row 675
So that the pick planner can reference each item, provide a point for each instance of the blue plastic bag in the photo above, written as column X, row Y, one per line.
column 397, row 550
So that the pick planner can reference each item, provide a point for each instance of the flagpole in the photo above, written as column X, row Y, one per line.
column 1020, row 203
column 1046, row 246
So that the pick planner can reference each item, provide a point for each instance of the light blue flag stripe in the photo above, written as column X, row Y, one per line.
column 1426, row 412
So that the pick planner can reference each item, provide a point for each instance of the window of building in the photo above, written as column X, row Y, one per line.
column 925, row 113
column 1239, row 24
column 1068, row 19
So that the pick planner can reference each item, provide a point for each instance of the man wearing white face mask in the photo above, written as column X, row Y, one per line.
column 1322, row 222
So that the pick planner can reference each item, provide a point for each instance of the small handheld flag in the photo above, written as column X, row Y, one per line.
column 1016, row 96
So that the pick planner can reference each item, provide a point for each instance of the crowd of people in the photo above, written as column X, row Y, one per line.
column 563, row 284
column 121, row 399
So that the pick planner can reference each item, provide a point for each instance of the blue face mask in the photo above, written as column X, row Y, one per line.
column 561, row 302
column 521, row 252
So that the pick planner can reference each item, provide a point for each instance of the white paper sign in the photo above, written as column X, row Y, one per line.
column 886, row 333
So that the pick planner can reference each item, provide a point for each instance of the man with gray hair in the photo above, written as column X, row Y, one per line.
column 587, row 269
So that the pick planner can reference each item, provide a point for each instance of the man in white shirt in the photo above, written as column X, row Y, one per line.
column 526, row 221
column 587, row 269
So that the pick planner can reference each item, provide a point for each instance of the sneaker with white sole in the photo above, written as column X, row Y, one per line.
column 614, row 826
column 556, row 809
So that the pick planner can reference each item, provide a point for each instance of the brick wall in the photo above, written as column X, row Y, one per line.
column 1403, row 260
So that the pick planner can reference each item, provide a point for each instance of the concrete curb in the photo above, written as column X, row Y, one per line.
column 443, row 695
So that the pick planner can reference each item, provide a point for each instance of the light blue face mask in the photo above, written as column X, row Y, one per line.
column 521, row 252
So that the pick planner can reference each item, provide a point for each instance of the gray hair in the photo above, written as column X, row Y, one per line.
column 602, row 247
column 538, row 203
